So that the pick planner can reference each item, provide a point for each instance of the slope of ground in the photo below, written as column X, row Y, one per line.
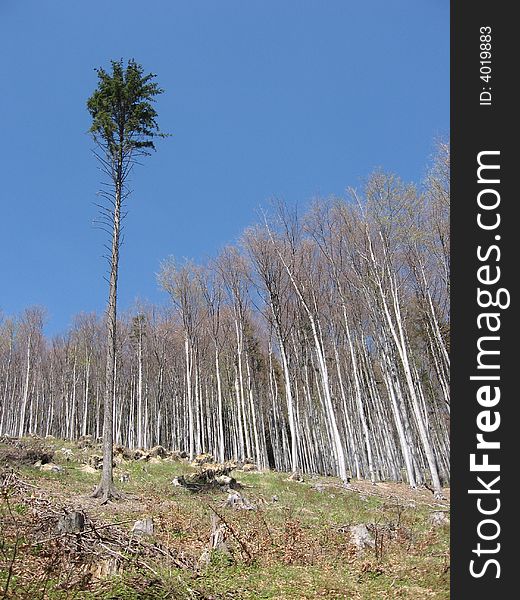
column 299, row 541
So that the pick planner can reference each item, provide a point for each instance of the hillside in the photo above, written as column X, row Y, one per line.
column 299, row 539
column 318, row 342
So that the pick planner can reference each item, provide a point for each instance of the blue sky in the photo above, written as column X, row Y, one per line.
column 288, row 99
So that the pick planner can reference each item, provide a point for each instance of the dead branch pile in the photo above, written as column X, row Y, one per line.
column 209, row 476
column 26, row 452
column 49, row 540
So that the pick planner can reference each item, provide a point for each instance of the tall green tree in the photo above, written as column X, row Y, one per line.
column 123, row 127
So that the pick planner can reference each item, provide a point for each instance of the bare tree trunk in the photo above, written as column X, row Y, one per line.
column 140, row 437
column 189, row 369
column 106, row 488
column 21, row 424
column 219, row 408
column 290, row 408
column 85, row 403
column 359, row 401
column 6, row 387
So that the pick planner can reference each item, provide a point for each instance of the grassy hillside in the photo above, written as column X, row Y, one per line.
column 296, row 543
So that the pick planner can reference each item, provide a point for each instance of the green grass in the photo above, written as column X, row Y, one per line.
column 297, row 545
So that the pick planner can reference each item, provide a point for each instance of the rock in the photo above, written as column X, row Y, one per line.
column 439, row 518
column 274, row 498
column 143, row 527
column 319, row 487
column 73, row 522
column 236, row 501
column 361, row 537
column 158, row 452
column 51, row 467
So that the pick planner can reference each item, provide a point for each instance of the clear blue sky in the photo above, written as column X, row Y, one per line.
column 289, row 98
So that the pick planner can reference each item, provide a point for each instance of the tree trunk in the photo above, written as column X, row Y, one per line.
column 21, row 424
column 106, row 488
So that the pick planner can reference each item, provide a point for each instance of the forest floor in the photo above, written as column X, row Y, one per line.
column 297, row 542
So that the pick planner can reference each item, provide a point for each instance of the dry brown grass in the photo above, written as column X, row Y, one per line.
column 295, row 546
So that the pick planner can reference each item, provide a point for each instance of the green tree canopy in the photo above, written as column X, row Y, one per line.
column 123, row 117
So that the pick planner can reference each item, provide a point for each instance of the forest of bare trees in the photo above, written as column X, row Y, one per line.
column 318, row 343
